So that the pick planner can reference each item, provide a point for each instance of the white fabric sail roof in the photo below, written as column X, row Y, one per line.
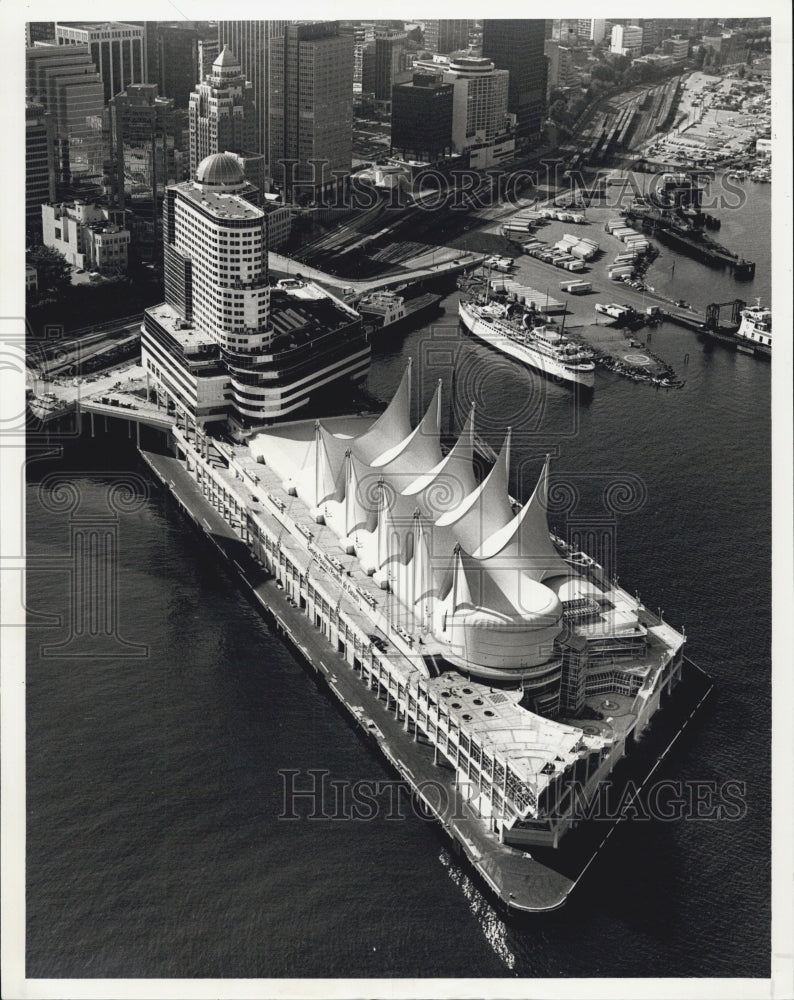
column 487, row 509
column 422, row 522
column 523, row 544
column 391, row 428
column 421, row 449
column 448, row 483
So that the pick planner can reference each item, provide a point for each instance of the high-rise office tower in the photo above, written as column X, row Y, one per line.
column 517, row 46
column 39, row 167
column 65, row 80
column 480, row 110
column 562, row 71
column 250, row 42
column 626, row 40
column 311, row 108
column 591, row 29
column 117, row 50
column 421, row 118
column 177, row 62
column 146, row 155
column 383, row 63
column 446, row 36
column 651, row 33
column 389, row 62
column 221, row 111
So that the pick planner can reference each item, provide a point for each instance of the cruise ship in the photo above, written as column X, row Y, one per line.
column 754, row 335
column 544, row 348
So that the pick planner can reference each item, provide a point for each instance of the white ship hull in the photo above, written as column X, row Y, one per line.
column 494, row 333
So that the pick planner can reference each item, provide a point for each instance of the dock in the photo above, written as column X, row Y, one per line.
column 521, row 882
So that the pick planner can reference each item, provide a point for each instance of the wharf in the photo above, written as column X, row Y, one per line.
column 523, row 883
column 693, row 245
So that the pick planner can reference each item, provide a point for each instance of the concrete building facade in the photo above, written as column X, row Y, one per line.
column 677, row 48
column 89, row 236
column 481, row 127
column 626, row 40
column 562, row 70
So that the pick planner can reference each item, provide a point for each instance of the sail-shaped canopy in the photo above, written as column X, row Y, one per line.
column 524, row 543
column 420, row 450
column 447, row 484
column 487, row 509
column 391, row 428
column 318, row 480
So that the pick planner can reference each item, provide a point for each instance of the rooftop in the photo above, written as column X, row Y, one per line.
column 220, row 204
column 189, row 337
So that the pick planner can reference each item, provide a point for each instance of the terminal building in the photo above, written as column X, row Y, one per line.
column 505, row 649
column 226, row 345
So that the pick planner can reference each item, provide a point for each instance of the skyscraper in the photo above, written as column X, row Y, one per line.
column 39, row 31
column 117, row 50
column 250, row 41
column 146, row 156
column 388, row 57
column 626, row 40
column 39, row 167
column 177, row 62
column 517, row 46
column 446, row 36
column 208, row 51
column 65, row 81
column 221, row 111
column 480, row 111
column 311, row 108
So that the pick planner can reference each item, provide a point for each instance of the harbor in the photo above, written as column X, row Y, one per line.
column 381, row 620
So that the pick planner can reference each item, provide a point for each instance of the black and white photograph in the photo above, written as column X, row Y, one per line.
column 393, row 448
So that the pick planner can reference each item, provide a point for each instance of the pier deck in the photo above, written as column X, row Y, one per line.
column 522, row 882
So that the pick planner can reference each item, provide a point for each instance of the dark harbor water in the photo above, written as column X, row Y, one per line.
column 154, row 843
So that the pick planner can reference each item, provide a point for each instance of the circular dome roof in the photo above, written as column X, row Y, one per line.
column 220, row 170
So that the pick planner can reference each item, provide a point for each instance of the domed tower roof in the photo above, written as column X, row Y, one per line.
column 221, row 171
